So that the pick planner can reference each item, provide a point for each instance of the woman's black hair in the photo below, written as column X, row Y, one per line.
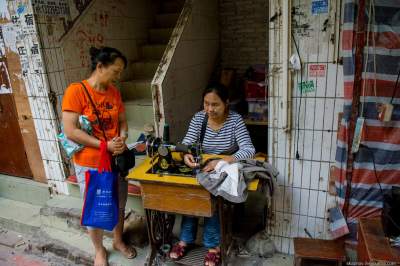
column 105, row 55
column 218, row 89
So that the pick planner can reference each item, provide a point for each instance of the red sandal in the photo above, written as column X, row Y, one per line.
column 179, row 250
column 213, row 256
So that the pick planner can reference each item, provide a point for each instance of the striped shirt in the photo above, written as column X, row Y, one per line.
column 232, row 136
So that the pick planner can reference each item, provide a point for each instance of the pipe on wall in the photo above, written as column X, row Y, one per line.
column 286, row 105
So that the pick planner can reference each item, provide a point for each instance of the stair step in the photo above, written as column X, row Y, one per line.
column 144, row 69
column 153, row 51
column 160, row 35
column 136, row 89
column 167, row 20
column 78, row 248
column 63, row 213
column 172, row 6
column 139, row 112
column 19, row 216
column 23, row 189
column 61, row 233
column 133, row 134
column 73, row 190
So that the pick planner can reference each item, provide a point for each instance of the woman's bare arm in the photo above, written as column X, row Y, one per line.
column 70, row 122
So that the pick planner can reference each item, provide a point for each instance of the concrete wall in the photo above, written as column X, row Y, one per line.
column 302, row 200
column 119, row 24
column 186, row 66
column 243, row 32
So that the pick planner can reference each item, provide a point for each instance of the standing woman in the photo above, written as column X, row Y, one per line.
column 107, row 65
column 226, row 134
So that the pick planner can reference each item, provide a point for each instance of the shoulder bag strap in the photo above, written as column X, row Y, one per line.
column 203, row 128
column 96, row 112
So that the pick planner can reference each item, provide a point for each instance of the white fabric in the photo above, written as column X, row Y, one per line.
column 230, row 184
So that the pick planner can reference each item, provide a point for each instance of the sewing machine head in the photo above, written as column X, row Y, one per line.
column 167, row 158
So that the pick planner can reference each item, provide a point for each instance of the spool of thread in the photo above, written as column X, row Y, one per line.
column 166, row 133
column 165, row 248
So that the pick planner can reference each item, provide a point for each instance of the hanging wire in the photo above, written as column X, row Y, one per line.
column 373, row 44
column 395, row 87
column 301, row 94
column 366, row 59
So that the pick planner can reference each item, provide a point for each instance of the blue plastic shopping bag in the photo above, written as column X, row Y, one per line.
column 100, row 207
column 70, row 147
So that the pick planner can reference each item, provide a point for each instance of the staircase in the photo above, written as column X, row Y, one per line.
column 136, row 93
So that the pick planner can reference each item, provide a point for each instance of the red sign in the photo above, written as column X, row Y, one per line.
column 316, row 70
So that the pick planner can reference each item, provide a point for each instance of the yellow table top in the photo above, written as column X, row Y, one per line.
column 139, row 173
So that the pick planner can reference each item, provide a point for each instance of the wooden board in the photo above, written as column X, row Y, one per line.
column 318, row 249
column 13, row 157
column 373, row 246
column 187, row 200
column 25, row 119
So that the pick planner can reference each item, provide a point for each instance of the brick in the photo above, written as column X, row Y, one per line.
column 243, row 33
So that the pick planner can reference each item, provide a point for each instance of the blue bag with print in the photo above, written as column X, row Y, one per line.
column 100, row 207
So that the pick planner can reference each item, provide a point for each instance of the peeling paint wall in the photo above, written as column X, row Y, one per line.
column 52, row 19
column 186, row 67
column 28, row 78
column 302, row 199
column 117, row 23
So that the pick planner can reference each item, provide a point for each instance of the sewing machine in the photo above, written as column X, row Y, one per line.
column 167, row 158
column 169, row 187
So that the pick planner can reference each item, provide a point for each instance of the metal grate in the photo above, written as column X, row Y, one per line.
column 194, row 257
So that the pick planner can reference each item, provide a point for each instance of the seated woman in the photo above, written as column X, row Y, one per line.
column 226, row 134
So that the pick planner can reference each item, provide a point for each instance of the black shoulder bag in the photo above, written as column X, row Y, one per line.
column 230, row 151
column 203, row 129
column 123, row 162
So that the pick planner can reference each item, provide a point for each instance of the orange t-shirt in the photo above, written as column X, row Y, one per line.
column 108, row 104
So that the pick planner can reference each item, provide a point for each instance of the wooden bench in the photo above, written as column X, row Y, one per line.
column 317, row 251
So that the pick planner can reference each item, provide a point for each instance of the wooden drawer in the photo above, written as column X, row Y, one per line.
column 187, row 200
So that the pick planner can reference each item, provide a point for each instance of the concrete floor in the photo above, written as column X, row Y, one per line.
column 17, row 250
column 44, row 236
column 38, row 230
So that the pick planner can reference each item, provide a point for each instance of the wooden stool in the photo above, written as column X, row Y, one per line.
column 373, row 246
column 317, row 251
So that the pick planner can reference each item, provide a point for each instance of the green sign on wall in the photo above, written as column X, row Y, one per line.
column 306, row 86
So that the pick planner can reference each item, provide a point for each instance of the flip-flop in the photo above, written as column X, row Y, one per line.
column 213, row 256
column 179, row 250
column 129, row 253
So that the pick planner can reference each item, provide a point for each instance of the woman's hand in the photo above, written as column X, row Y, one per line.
column 116, row 146
column 189, row 161
column 210, row 166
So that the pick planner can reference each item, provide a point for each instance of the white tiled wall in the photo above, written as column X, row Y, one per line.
column 302, row 200
column 21, row 37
